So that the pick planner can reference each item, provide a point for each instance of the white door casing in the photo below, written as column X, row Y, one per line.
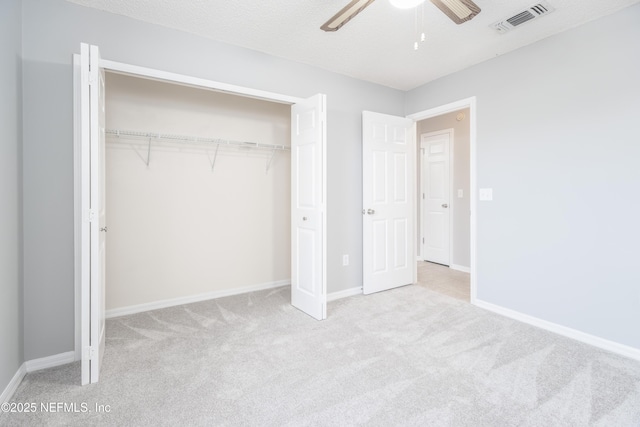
column 388, row 168
column 470, row 103
column 93, row 230
column 435, row 149
column 308, row 206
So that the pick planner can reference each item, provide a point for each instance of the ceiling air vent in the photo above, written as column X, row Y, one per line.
column 538, row 10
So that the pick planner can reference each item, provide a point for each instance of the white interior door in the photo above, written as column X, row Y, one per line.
column 436, row 200
column 92, row 106
column 308, row 204
column 388, row 154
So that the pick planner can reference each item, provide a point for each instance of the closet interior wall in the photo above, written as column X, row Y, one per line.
column 192, row 222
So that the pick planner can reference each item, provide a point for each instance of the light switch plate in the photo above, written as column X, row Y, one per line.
column 460, row 193
column 486, row 194
column 345, row 260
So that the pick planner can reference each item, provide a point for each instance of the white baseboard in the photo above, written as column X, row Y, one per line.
column 460, row 268
column 139, row 308
column 50, row 361
column 614, row 347
column 11, row 388
column 344, row 294
column 32, row 366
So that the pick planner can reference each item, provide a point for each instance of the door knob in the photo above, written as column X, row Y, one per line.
column 104, row 229
column 370, row 211
column 304, row 218
column 444, row 205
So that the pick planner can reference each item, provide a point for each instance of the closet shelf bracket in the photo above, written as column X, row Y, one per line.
column 273, row 154
column 118, row 134
column 215, row 156
column 149, row 151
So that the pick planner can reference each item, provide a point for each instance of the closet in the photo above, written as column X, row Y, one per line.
column 198, row 194
column 195, row 193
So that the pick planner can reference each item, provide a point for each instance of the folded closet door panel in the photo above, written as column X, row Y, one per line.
column 308, row 206
column 92, row 117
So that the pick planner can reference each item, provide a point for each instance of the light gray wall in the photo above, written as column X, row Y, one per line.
column 558, row 142
column 11, row 330
column 55, row 29
column 460, row 221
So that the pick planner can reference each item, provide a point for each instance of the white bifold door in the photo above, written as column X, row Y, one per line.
column 94, row 229
column 388, row 201
column 308, row 206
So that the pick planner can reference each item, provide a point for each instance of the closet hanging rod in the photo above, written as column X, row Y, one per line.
column 192, row 139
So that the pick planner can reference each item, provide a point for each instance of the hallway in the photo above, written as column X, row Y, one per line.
column 442, row 279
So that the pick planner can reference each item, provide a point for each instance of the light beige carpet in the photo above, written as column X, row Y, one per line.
column 403, row 357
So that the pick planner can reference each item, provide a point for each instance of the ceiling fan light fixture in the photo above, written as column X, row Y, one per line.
column 458, row 11
column 405, row 4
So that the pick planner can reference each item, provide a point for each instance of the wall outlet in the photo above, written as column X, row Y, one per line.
column 345, row 260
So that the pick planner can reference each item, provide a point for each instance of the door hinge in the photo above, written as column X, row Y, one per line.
column 90, row 215
column 90, row 353
column 422, row 196
column 93, row 77
column 423, row 240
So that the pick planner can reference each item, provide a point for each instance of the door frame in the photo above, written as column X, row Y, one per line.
column 473, row 185
column 422, row 177
column 147, row 73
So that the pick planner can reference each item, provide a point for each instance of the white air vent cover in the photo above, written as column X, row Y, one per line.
column 536, row 11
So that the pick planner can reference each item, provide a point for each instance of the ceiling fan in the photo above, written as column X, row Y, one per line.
column 458, row 10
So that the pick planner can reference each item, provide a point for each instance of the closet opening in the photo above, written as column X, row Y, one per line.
column 198, row 194
column 211, row 189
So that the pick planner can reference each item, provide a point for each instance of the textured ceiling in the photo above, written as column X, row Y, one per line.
column 376, row 46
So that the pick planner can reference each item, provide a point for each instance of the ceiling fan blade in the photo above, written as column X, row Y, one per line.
column 458, row 10
column 345, row 15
